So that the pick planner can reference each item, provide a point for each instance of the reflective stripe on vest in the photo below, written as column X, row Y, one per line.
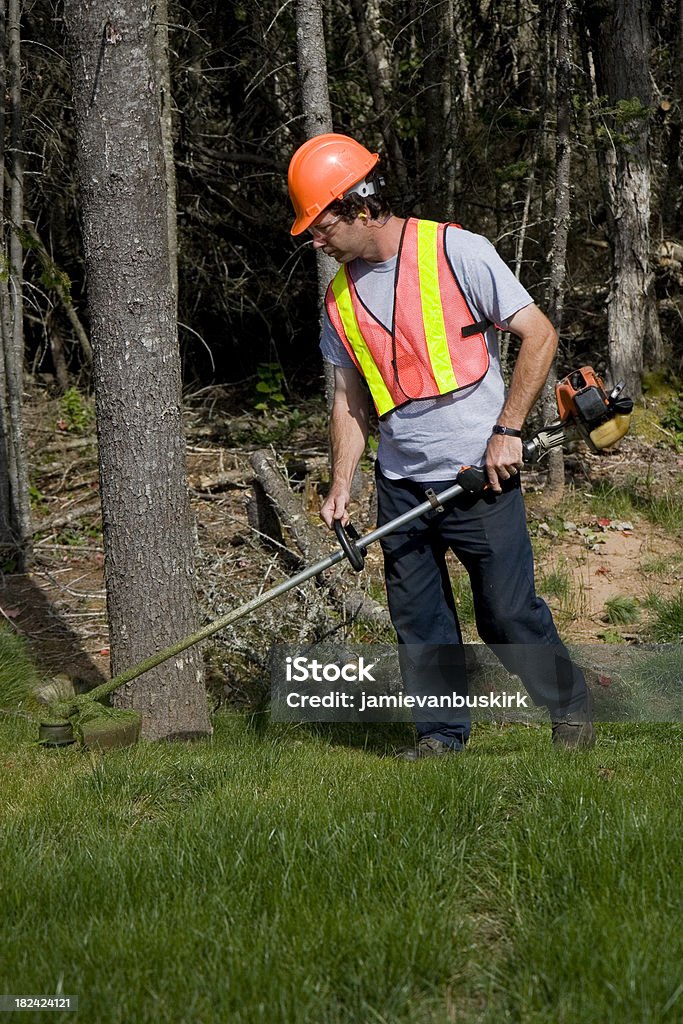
column 436, row 347
column 355, row 343
column 432, row 310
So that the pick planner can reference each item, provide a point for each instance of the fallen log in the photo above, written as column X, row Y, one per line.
column 309, row 541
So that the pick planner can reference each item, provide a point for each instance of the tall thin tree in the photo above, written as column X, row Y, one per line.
column 621, row 49
column 145, row 503
column 561, row 220
column 15, row 515
column 315, row 99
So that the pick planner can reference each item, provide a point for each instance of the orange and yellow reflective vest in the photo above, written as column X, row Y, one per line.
column 435, row 345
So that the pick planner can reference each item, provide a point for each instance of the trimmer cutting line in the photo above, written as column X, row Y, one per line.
column 586, row 411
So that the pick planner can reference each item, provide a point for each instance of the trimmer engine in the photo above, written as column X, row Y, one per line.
column 586, row 411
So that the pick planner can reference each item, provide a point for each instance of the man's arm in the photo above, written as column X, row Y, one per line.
column 348, row 435
column 539, row 344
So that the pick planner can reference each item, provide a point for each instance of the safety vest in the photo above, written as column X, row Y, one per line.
column 435, row 345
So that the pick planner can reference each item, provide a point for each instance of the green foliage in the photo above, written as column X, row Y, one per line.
column 52, row 277
column 610, row 636
column 621, row 123
column 37, row 498
column 662, row 506
column 76, row 411
column 79, row 536
column 629, row 110
column 555, row 583
column 673, row 418
column 270, row 384
column 667, row 622
column 621, row 610
column 517, row 171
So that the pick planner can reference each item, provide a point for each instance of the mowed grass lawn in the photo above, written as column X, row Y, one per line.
column 281, row 875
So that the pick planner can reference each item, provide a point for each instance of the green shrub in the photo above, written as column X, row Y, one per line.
column 667, row 622
column 622, row 610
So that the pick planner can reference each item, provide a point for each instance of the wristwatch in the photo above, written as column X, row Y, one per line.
column 512, row 431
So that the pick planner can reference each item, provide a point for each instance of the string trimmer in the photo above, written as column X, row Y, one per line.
column 586, row 411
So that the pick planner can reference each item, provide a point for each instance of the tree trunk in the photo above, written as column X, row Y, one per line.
column 622, row 57
column 373, row 46
column 6, row 538
column 315, row 100
column 558, row 255
column 671, row 203
column 145, row 504
column 163, row 75
column 15, row 508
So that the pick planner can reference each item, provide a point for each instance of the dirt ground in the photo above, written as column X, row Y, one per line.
column 583, row 558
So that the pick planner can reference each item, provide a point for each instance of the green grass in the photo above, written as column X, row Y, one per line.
column 462, row 595
column 663, row 508
column 18, row 677
column 666, row 623
column 292, row 875
column 622, row 610
column 555, row 583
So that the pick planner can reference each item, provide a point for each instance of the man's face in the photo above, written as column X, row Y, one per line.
column 342, row 241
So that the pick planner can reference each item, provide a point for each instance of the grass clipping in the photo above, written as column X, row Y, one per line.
column 53, row 701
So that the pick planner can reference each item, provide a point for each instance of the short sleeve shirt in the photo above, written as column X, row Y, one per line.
column 430, row 439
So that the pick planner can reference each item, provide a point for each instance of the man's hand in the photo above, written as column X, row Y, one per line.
column 348, row 434
column 335, row 506
column 503, row 459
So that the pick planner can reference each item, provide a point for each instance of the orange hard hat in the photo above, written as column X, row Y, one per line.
column 324, row 169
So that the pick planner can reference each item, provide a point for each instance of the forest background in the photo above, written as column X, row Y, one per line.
column 460, row 98
column 555, row 130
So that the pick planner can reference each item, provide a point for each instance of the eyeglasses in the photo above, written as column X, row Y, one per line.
column 320, row 230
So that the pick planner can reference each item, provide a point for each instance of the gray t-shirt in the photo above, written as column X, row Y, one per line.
column 432, row 438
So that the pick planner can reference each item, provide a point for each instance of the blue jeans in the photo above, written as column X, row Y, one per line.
column 488, row 534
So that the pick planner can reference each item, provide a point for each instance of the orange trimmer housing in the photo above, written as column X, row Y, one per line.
column 582, row 400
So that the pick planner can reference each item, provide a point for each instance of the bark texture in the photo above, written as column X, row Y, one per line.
column 623, row 50
column 145, row 503
column 366, row 14
column 15, row 508
column 315, row 103
column 558, row 255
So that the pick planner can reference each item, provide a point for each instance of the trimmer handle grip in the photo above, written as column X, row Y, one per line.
column 472, row 479
column 347, row 538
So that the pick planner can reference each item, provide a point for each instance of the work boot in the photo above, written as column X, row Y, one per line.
column 573, row 732
column 428, row 746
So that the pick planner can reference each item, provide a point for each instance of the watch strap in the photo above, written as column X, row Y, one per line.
column 511, row 431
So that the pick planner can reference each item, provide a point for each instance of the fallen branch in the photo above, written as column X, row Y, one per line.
column 67, row 518
column 308, row 540
column 219, row 481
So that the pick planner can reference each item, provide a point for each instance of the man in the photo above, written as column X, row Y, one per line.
column 411, row 313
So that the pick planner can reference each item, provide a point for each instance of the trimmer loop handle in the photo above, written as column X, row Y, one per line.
column 346, row 537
